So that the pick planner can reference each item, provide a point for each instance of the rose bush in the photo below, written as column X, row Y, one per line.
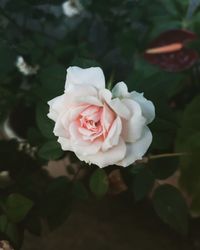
column 102, row 127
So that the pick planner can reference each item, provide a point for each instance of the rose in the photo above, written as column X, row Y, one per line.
column 100, row 126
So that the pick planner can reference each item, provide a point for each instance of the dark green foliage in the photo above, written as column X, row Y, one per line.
column 99, row 182
column 43, row 122
column 114, row 35
column 163, row 168
column 56, row 202
column 80, row 191
column 171, row 207
column 51, row 150
column 16, row 207
column 143, row 183
column 188, row 140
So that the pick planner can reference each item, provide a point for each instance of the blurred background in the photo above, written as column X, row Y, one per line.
column 48, row 198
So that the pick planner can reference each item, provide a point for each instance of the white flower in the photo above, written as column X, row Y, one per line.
column 72, row 8
column 102, row 127
column 25, row 68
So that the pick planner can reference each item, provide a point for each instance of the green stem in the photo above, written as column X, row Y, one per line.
column 153, row 157
column 159, row 156
column 110, row 82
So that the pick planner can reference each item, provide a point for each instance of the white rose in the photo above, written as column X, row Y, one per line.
column 100, row 126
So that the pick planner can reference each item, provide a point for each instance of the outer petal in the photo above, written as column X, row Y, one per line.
column 56, row 107
column 59, row 129
column 120, row 90
column 133, row 128
column 120, row 108
column 107, row 118
column 92, row 100
column 79, row 91
column 136, row 150
column 65, row 143
column 91, row 76
column 113, row 136
column 105, row 95
column 110, row 157
column 148, row 109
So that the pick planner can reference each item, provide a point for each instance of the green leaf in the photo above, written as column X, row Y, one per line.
column 85, row 3
column 190, row 124
column 163, row 132
column 133, row 170
column 6, row 102
column 9, row 229
column 52, row 78
column 173, row 7
column 171, row 208
column 192, row 8
column 43, row 122
column 13, row 233
column 3, row 222
column 163, row 168
column 56, row 202
column 143, row 183
column 99, row 182
column 188, row 140
column 34, row 136
column 17, row 207
column 84, row 63
column 162, row 140
column 7, row 59
column 155, row 84
column 34, row 225
column 80, row 191
column 51, row 150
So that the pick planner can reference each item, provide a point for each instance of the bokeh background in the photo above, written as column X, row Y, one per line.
column 50, row 200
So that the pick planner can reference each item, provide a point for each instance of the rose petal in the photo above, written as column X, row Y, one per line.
column 132, row 128
column 91, row 111
column 63, row 121
column 65, row 143
column 136, row 150
column 110, row 157
column 56, row 106
column 91, row 76
column 148, row 109
column 107, row 118
column 113, row 136
column 120, row 109
column 120, row 90
column 105, row 95
column 92, row 100
column 81, row 146
column 82, row 90
column 59, row 129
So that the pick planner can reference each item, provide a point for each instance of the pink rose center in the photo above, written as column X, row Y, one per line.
column 92, row 123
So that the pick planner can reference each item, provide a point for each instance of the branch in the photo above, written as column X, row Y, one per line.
column 166, row 155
